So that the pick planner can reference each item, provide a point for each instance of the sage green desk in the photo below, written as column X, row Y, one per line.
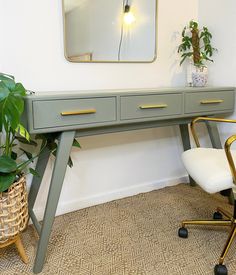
column 83, row 113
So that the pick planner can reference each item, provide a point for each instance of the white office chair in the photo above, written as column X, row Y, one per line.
column 213, row 170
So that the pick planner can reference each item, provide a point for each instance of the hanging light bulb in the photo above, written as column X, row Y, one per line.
column 129, row 17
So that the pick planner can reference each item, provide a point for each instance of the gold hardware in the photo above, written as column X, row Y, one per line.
column 229, row 156
column 158, row 106
column 229, row 222
column 207, row 222
column 225, row 213
column 192, row 125
column 79, row 112
column 227, row 245
column 211, row 101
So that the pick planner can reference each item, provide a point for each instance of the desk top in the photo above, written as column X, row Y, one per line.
column 76, row 110
column 75, row 93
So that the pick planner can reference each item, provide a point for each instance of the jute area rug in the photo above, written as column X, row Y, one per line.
column 131, row 236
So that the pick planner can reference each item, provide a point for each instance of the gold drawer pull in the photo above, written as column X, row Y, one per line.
column 211, row 101
column 158, row 106
column 79, row 112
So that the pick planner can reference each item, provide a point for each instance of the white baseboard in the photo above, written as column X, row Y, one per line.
column 70, row 206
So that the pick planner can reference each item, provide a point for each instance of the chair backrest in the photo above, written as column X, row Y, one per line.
column 212, row 169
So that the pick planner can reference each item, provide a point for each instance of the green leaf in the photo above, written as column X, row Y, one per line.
column 184, row 56
column 76, row 144
column 70, row 162
column 7, row 165
column 7, row 75
column 6, row 181
column 14, row 155
column 8, row 81
column 12, row 116
column 4, row 91
column 12, row 109
column 193, row 25
column 52, row 146
column 12, row 103
column 20, row 89
column 34, row 172
column 183, row 32
column 28, row 154
column 20, row 129
column 25, row 141
column 1, row 117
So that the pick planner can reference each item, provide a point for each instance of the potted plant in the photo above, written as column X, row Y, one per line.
column 13, row 195
column 15, row 162
column 196, row 46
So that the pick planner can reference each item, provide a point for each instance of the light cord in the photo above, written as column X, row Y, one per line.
column 122, row 30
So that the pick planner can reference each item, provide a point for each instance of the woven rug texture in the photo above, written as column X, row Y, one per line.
column 131, row 236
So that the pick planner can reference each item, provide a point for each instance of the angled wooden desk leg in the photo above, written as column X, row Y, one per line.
column 63, row 153
column 186, row 143
column 40, row 168
column 214, row 134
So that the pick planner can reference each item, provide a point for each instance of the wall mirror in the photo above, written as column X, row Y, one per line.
column 110, row 30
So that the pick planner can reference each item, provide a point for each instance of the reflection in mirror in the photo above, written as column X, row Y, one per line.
column 110, row 30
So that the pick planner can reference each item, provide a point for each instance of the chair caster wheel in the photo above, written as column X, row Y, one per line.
column 217, row 216
column 183, row 232
column 220, row 269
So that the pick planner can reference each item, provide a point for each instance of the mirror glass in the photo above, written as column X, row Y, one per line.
column 110, row 30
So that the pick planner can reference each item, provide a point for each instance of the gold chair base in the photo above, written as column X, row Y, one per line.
column 230, row 221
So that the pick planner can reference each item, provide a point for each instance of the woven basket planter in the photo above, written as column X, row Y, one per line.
column 13, row 210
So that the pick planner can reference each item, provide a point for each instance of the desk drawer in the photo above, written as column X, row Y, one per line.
column 209, row 101
column 60, row 113
column 148, row 106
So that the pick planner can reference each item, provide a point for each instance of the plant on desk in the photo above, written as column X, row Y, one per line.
column 196, row 46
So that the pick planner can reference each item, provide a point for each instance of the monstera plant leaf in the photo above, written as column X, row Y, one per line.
column 11, row 102
column 6, row 180
column 7, row 164
column 7, row 172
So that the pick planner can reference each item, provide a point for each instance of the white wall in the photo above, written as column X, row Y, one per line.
column 114, row 165
column 220, row 17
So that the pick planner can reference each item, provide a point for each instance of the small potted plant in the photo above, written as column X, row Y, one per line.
column 13, row 194
column 196, row 46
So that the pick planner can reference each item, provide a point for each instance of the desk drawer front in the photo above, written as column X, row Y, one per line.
column 60, row 113
column 148, row 106
column 209, row 101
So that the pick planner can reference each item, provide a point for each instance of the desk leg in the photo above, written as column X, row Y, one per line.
column 63, row 153
column 214, row 134
column 40, row 168
column 186, row 143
